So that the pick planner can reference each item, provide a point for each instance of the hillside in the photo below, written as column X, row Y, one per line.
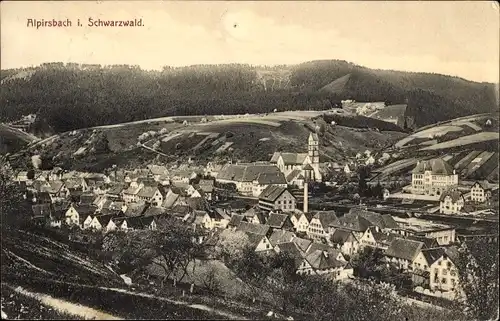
column 243, row 138
column 469, row 144
column 78, row 96
column 12, row 139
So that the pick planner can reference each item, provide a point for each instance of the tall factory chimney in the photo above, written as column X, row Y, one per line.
column 307, row 173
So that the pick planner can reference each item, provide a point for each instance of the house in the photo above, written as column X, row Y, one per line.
column 254, row 228
column 244, row 175
column 280, row 236
column 323, row 262
column 236, row 220
column 279, row 221
column 373, row 237
column 255, row 216
column 370, row 160
column 480, row 192
column 45, row 214
column 302, row 244
column 444, row 272
column 156, row 172
column 277, row 198
column 22, row 176
column 301, row 220
column 77, row 214
column 264, row 180
column 451, row 202
column 433, row 177
column 115, row 190
column 346, row 241
column 135, row 209
column 110, row 223
column 347, row 169
column 131, row 194
column 259, row 242
column 213, row 169
column 150, row 194
column 421, row 265
column 319, row 227
column 92, row 223
column 141, row 223
column 206, row 186
column 444, row 234
column 358, row 220
column 402, row 252
column 295, row 177
column 292, row 250
column 215, row 219
column 87, row 199
column 76, row 183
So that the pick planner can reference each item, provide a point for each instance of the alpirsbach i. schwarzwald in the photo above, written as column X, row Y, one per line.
column 115, row 23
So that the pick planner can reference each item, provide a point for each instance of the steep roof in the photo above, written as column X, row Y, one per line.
column 87, row 198
column 432, row 255
column 302, row 244
column 404, row 249
column 483, row 184
column 85, row 209
column 154, row 211
column 340, row 236
column 280, row 236
column 275, row 157
column 158, row 170
column 437, row 166
column 259, row 229
column 245, row 173
column 236, row 220
column 41, row 210
column 147, row 191
column 135, row 209
column 295, row 174
column 170, row 199
column 326, row 218
column 272, row 192
column 271, row 178
column 360, row 220
column 321, row 260
column 293, row 158
column 454, row 194
column 292, row 250
column 277, row 220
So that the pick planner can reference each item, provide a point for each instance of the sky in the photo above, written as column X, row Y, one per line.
column 454, row 38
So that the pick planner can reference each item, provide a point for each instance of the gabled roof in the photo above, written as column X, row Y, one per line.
column 483, row 184
column 272, row 192
column 277, row 220
column 341, row 236
column 454, row 194
column 254, row 239
column 139, row 222
column 432, row 255
column 73, row 183
column 292, row 250
column 295, row 174
column 170, row 199
column 147, row 191
column 85, row 210
column 280, row 236
column 293, row 158
column 360, row 220
column 271, row 178
column 326, row 218
column 259, row 229
column 158, row 170
column 275, row 157
column 154, row 211
column 302, row 244
column 218, row 214
column 245, row 173
column 135, row 209
column 236, row 220
column 429, row 243
column 321, row 260
column 87, row 198
column 437, row 166
column 404, row 249
column 117, row 188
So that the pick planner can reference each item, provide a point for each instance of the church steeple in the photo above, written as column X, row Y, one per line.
column 313, row 148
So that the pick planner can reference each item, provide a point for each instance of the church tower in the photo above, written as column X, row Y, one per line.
column 313, row 153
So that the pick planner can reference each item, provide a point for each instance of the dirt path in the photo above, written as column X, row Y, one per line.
column 67, row 307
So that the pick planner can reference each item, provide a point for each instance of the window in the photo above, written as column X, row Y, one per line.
column 445, row 271
column 443, row 281
column 453, row 273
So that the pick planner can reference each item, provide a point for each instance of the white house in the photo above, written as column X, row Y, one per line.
column 443, row 272
column 277, row 198
column 480, row 192
column 71, row 216
column 301, row 221
column 433, row 177
column 346, row 241
column 319, row 227
column 264, row 180
column 451, row 202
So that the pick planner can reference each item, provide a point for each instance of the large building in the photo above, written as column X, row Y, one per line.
column 433, row 177
column 244, row 175
column 289, row 162
column 277, row 198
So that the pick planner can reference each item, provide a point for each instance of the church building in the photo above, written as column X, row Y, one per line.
column 290, row 162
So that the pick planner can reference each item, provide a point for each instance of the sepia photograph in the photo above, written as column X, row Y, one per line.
column 249, row 160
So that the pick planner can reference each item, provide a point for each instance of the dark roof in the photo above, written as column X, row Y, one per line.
column 484, row 185
column 404, row 249
column 432, row 255
column 452, row 252
column 87, row 198
column 429, row 243
column 254, row 239
column 295, row 174
column 41, row 210
column 321, row 260
column 139, row 222
column 437, row 166
column 259, row 229
column 326, row 218
column 85, row 209
column 272, row 192
column 245, row 173
column 293, row 158
column 302, row 244
column 147, row 191
column 271, row 178
column 277, row 220
column 236, row 220
column 341, row 236
column 360, row 220
column 292, row 250
column 135, row 209
column 454, row 194
column 154, row 211
column 116, row 189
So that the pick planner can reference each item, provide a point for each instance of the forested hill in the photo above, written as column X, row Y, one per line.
column 75, row 96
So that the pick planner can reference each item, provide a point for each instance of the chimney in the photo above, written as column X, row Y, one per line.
column 306, row 195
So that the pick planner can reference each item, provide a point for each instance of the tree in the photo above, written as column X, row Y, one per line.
column 368, row 263
column 477, row 265
column 231, row 245
column 14, row 210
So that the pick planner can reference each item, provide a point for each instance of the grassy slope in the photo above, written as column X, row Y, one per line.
column 12, row 140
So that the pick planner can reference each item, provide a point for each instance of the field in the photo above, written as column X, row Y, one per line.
column 242, row 137
column 466, row 140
